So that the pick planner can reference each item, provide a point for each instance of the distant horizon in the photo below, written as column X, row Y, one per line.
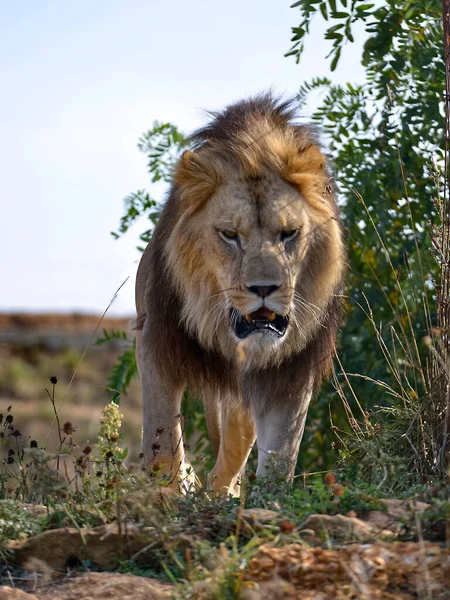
column 63, row 311
column 81, row 83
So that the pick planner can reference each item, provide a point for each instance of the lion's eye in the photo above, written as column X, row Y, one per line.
column 287, row 236
column 229, row 236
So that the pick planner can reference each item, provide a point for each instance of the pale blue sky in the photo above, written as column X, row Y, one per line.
column 79, row 84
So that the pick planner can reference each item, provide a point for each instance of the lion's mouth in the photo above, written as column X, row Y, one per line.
column 262, row 319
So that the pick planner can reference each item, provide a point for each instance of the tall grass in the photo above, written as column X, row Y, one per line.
column 407, row 441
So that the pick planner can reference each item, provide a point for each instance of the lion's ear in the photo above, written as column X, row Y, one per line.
column 198, row 178
column 187, row 168
column 308, row 173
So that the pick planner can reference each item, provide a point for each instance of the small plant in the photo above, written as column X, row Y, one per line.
column 31, row 473
column 17, row 522
column 125, row 368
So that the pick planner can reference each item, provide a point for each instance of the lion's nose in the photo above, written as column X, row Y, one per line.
column 262, row 290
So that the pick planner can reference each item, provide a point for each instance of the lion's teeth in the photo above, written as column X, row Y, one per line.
column 272, row 316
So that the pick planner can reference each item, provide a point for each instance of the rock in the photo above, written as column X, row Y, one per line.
column 259, row 515
column 396, row 511
column 380, row 520
column 397, row 571
column 96, row 586
column 276, row 589
column 61, row 548
column 7, row 593
column 404, row 509
column 108, row 586
column 339, row 527
column 257, row 519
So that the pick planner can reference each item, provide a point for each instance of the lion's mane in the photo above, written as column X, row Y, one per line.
column 174, row 281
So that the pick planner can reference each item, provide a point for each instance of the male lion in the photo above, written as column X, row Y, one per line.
column 236, row 292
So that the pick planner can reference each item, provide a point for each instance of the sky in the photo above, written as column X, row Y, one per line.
column 80, row 82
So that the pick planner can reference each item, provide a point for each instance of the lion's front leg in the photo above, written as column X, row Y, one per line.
column 279, row 430
column 162, row 443
column 237, row 436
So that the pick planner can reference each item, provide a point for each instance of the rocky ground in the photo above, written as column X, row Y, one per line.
column 327, row 557
column 333, row 541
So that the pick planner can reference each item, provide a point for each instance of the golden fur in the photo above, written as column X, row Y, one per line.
column 257, row 174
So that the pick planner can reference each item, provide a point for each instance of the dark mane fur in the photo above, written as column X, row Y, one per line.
column 225, row 125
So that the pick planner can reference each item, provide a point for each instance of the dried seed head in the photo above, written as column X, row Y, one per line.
column 68, row 428
column 330, row 478
column 33, row 444
column 435, row 491
column 338, row 490
column 53, row 380
column 287, row 526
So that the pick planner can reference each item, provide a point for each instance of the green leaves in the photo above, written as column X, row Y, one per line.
column 383, row 136
column 122, row 373
column 125, row 368
column 335, row 60
column 339, row 15
column 109, row 336
column 339, row 33
column 163, row 145
column 136, row 205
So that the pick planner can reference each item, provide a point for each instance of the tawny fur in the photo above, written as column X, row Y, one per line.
column 254, row 170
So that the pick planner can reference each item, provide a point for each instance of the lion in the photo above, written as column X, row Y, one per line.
column 237, row 293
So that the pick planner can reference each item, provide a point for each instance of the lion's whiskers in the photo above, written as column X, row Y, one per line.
column 222, row 315
column 303, row 300
column 218, row 294
column 301, row 305
column 297, row 318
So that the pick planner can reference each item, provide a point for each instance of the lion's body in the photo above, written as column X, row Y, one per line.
column 237, row 291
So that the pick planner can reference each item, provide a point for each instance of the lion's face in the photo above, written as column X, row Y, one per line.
column 257, row 236
column 255, row 264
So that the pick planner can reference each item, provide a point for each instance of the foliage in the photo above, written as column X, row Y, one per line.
column 16, row 522
column 125, row 368
column 201, row 541
column 31, row 473
column 385, row 138
column 162, row 144
column 340, row 32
